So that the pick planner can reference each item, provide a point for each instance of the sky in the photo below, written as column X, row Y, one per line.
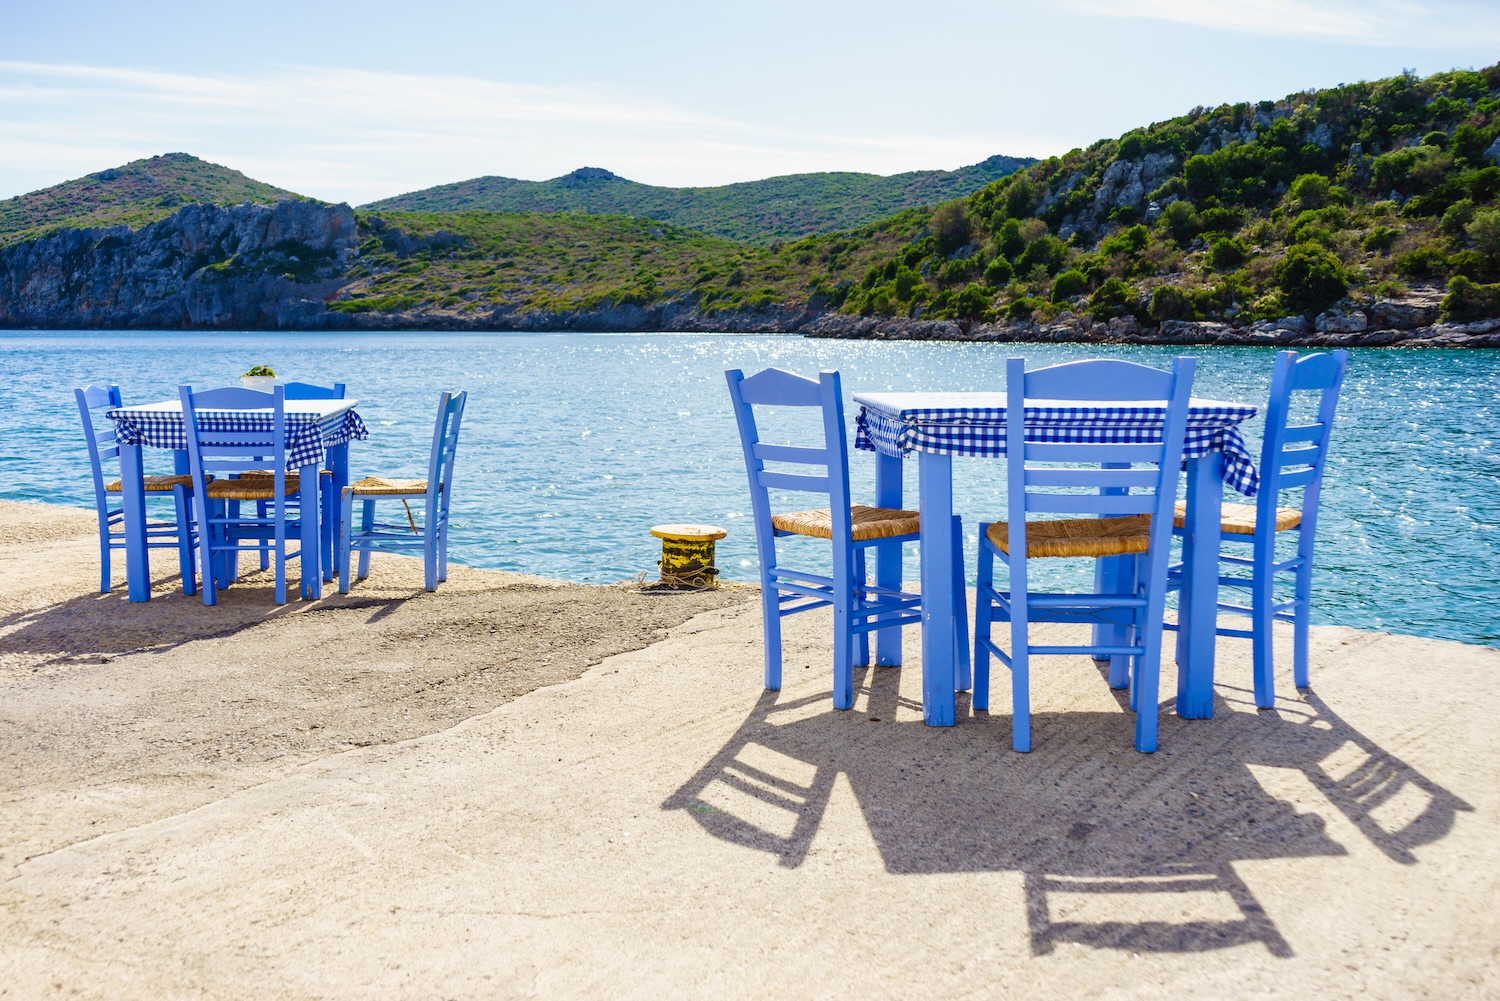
column 358, row 101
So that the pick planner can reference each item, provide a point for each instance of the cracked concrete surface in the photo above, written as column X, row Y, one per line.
column 514, row 788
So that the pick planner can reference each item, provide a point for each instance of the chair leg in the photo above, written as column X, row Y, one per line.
column 1145, row 688
column 429, row 557
column 1262, row 616
column 280, row 541
column 207, row 532
column 328, row 536
column 367, row 524
column 1020, row 673
column 346, row 525
column 984, row 570
column 843, row 623
column 862, row 640
column 961, row 611
column 185, row 540
column 1302, row 615
column 442, row 549
column 104, row 548
column 770, row 605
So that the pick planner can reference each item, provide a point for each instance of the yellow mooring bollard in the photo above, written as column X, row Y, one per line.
column 687, row 556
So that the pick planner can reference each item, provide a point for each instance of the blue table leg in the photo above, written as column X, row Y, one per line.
column 338, row 464
column 133, row 501
column 312, row 535
column 888, row 558
column 1198, row 609
column 935, row 473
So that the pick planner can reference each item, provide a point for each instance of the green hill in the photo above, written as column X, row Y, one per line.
column 1239, row 213
column 471, row 264
column 139, row 193
column 777, row 208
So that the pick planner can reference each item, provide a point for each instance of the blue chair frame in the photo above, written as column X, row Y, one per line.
column 859, row 607
column 435, row 493
column 104, row 446
column 326, row 497
column 1129, row 511
column 218, row 461
column 1293, row 457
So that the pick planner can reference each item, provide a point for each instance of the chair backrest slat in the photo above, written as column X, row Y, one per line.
column 777, row 480
column 1047, row 476
column 791, row 453
column 1101, row 504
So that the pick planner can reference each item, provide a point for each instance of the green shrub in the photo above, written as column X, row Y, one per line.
column 1458, row 216
column 1008, row 239
column 1168, row 302
column 1309, row 191
column 1311, row 278
column 1467, row 301
column 1380, row 239
column 1126, row 241
column 1484, row 230
column 951, row 227
column 1180, row 220
column 972, row 303
column 1227, row 253
column 1068, row 284
column 1110, row 300
column 999, row 272
column 1047, row 252
column 1423, row 262
column 1021, row 309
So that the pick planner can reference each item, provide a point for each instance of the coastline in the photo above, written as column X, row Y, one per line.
column 517, row 787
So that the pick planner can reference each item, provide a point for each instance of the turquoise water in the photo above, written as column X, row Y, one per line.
column 574, row 445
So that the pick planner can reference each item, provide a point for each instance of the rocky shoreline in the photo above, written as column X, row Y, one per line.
column 285, row 267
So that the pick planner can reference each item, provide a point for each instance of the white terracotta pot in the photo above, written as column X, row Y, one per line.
column 262, row 383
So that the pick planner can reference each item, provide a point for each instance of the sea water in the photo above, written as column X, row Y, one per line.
column 574, row 445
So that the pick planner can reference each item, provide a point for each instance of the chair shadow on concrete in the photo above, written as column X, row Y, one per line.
column 1090, row 824
column 93, row 627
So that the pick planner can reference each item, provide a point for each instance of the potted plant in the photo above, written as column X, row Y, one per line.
column 260, row 377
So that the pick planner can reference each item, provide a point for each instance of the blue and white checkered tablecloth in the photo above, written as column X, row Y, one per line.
column 974, row 424
column 307, row 434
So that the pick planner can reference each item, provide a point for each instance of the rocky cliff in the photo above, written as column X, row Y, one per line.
column 205, row 267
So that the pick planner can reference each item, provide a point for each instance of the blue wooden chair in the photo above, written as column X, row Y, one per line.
column 434, row 495
column 1125, row 492
column 858, row 606
column 1292, row 459
column 104, row 447
column 308, row 391
column 218, row 459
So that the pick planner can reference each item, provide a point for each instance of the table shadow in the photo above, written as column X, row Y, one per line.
column 1082, row 818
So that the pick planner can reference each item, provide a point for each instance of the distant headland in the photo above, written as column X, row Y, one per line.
column 1363, row 214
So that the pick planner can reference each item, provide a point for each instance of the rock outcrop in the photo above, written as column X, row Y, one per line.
column 205, row 267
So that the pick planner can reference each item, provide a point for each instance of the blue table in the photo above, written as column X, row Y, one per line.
column 317, row 432
column 940, row 425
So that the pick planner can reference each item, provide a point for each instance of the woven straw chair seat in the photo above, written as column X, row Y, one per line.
column 254, row 488
column 1092, row 537
column 155, row 484
column 379, row 486
column 1239, row 519
column 868, row 522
